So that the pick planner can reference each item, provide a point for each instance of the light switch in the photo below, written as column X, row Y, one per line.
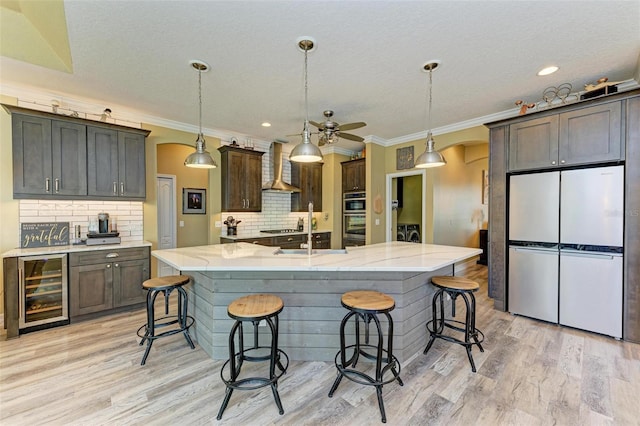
column 182, row 224
column 377, row 221
column 218, row 224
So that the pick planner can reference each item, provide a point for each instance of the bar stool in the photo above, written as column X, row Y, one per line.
column 165, row 285
column 254, row 308
column 364, row 305
column 454, row 287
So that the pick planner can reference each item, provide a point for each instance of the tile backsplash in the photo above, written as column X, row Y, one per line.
column 128, row 214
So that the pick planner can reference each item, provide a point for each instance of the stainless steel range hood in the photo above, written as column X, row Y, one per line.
column 275, row 171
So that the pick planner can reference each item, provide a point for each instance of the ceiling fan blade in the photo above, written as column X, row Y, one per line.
column 352, row 126
column 350, row 137
column 318, row 125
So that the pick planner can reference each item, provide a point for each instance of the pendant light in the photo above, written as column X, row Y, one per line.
column 306, row 152
column 201, row 158
column 430, row 157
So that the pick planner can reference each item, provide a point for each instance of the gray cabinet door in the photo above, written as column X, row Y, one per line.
column 31, row 155
column 131, row 153
column 307, row 177
column 90, row 289
column 69, row 158
column 102, row 161
column 127, row 283
column 533, row 144
column 591, row 135
column 241, row 179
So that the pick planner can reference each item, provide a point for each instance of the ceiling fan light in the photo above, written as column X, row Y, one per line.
column 430, row 157
column 201, row 158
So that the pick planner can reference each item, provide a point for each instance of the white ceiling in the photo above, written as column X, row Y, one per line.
column 367, row 65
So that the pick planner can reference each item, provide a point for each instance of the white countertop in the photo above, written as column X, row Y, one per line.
column 39, row 251
column 391, row 256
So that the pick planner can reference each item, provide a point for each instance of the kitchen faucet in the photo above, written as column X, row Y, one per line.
column 309, row 243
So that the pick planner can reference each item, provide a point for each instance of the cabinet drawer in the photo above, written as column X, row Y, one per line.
column 288, row 239
column 102, row 256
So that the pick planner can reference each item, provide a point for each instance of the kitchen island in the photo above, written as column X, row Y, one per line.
column 311, row 288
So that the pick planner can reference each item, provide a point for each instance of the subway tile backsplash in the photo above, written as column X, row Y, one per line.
column 128, row 214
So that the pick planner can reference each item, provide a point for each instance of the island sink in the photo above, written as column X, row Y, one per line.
column 314, row 251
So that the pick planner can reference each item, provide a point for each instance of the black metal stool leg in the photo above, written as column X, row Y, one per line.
column 272, row 364
column 150, row 329
column 182, row 315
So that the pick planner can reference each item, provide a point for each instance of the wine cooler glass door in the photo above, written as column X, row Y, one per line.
column 43, row 290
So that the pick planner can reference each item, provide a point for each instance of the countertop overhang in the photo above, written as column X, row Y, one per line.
column 390, row 256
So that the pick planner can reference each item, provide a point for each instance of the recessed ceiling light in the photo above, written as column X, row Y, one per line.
column 266, row 124
column 548, row 70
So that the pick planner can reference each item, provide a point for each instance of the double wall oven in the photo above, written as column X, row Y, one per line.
column 354, row 218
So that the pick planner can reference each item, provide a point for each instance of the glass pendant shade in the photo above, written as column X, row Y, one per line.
column 201, row 158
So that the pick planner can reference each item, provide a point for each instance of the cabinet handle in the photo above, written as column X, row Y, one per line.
column 47, row 184
column 247, row 203
column 112, row 255
column 561, row 161
column 289, row 239
column 56, row 185
column 117, row 265
column 121, row 188
column 108, row 266
column 115, row 188
column 553, row 163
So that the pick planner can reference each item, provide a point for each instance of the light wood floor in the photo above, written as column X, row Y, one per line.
column 531, row 373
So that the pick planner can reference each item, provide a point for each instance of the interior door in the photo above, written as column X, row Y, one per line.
column 167, row 226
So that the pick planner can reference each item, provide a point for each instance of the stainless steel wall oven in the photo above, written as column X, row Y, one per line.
column 354, row 219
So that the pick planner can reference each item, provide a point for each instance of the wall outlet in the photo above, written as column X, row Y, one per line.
column 326, row 217
column 377, row 221
column 218, row 224
column 182, row 224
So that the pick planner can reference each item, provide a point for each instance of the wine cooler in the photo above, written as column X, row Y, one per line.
column 43, row 291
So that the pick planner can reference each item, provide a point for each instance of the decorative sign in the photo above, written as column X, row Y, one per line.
column 44, row 234
column 404, row 158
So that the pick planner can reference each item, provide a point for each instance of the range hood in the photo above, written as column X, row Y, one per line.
column 275, row 171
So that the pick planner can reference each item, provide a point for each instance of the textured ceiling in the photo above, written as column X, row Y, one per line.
column 367, row 65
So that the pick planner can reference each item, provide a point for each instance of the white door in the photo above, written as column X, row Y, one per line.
column 166, row 209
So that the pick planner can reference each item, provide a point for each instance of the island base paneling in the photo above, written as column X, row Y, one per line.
column 310, row 321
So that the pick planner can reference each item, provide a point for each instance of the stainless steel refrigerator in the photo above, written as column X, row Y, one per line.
column 565, row 247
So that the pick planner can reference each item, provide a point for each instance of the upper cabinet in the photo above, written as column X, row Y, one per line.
column 116, row 163
column 241, row 176
column 60, row 157
column 307, row 177
column 354, row 175
column 582, row 136
column 49, row 157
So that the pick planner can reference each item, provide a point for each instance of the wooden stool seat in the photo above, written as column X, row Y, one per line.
column 368, row 300
column 168, row 281
column 455, row 283
column 255, row 306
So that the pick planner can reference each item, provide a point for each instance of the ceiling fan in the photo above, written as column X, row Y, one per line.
column 329, row 131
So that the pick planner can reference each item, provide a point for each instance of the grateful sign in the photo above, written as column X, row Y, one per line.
column 44, row 234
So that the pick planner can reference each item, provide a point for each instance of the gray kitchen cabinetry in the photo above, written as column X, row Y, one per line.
column 322, row 240
column 116, row 162
column 103, row 280
column 263, row 241
column 241, row 176
column 49, row 157
column 68, row 158
column 627, row 135
column 582, row 136
column 307, row 177
column 354, row 175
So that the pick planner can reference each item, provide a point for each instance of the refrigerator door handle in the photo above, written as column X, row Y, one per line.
column 589, row 255
column 536, row 249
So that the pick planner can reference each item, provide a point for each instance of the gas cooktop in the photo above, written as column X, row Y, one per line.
column 280, row 231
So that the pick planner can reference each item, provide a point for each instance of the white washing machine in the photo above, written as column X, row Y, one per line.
column 402, row 232
column 413, row 233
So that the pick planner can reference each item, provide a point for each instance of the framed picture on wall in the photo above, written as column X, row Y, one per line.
column 404, row 158
column 194, row 201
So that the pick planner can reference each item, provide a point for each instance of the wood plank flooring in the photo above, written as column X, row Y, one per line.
column 531, row 373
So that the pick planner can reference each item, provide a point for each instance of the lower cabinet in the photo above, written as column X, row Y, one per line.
column 102, row 280
column 320, row 240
